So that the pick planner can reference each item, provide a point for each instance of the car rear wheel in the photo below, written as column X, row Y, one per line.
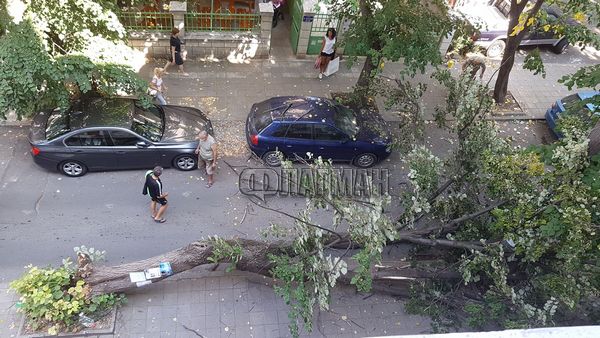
column 365, row 160
column 73, row 168
column 496, row 49
column 185, row 162
column 560, row 47
column 272, row 159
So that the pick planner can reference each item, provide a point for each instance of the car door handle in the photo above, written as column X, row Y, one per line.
column 289, row 146
column 78, row 151
column 321, row 148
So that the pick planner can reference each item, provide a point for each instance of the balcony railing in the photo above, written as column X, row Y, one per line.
column 221, row 22
column 144, row 21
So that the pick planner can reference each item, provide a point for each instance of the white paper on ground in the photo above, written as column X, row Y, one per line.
column 152, row 273
column 137, row 277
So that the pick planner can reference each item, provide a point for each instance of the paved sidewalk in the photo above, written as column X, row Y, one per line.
column 199, row 303
column 226, row 91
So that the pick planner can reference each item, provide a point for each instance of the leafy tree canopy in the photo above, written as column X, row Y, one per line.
column 574, row 21
column 391, row 30
column 56, row 50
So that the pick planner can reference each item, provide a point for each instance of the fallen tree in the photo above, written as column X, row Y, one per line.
column 517, row 226
column 254, row 259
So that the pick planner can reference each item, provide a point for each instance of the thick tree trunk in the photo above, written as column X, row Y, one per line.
column 508, row 60
column 391, row 278
column 107, row 279
column 366, row 75
column 512, row 43
column 364, row 80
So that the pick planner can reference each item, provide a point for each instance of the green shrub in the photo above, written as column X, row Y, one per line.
column 50, row 297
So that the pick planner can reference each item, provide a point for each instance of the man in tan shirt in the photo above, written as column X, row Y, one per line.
column 207, row 155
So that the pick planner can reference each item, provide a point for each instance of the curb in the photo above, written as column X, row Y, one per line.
column 22, row 123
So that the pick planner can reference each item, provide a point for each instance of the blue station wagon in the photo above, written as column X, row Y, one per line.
column 298, row 125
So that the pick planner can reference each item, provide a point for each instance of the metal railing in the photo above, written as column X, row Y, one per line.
column 221, row 22
column 155, row 21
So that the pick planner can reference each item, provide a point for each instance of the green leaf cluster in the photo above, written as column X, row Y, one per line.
column 294, row 291
column 45, row 61
column 225, row 252
column 50, row 297
column 67, row 26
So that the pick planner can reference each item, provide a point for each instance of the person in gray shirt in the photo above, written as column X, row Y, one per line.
column 207, row 155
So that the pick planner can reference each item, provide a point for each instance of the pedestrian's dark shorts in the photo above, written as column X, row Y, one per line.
column 331, row 56
column 161, row 200
column 178, row 59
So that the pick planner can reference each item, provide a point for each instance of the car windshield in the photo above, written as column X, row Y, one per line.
column 148, row 122
column 58, row 124
column 345, row 119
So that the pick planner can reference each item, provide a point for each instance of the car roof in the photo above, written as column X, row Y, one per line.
column 102, row 112
column 300, row 108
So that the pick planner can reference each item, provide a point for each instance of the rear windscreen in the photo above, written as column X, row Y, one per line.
column 261, row 118
column 58, row 124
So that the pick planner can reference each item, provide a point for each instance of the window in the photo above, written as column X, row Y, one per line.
column 98, row 112
column 148, row 122
column 503, row 6
column 328, row 133
column 122, row 138
column 96, row 138
column 281, row 130
column 262, row 120
column 300, row 131
column 345, row 119
column 58, row 124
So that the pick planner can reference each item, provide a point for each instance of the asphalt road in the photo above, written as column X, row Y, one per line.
column 43, row 214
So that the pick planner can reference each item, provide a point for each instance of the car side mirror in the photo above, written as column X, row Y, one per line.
column 141, row 144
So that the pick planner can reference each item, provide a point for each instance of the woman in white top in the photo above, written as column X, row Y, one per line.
column 156, row 86
column 327, row 50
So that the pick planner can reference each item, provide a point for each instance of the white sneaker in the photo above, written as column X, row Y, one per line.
column 320, row 75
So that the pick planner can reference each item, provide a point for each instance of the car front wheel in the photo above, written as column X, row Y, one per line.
column 272, row 159
column 185, row 162
column 364, row 160
column 73, row 168
column 496, row 49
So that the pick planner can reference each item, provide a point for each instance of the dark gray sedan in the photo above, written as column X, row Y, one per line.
column 116, row 133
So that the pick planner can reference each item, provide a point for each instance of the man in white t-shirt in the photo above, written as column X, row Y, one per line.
column 207, row 155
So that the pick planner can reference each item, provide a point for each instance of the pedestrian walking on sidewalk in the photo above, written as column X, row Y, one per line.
column 473, row 64
column 175, row 52
column 327, row 50
column 277, row 13
column 154, row 187
column 207, row 155
column 156, row 87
